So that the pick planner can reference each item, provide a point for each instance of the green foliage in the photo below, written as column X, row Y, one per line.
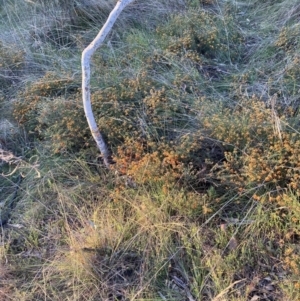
column 201, row 116
column 12, row 62
column 201, row 35
column 51, row 109
column 262, row 150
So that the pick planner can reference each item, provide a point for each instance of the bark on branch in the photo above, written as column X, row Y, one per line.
column 86, row 91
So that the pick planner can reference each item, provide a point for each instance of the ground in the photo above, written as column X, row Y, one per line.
column 198, row 102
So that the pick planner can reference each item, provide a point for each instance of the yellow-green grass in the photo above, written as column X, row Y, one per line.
column 198, row 101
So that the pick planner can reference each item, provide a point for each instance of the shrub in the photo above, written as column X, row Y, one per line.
column 262, row 150
column 12, row 62
column 201, row 35
column 50, row 108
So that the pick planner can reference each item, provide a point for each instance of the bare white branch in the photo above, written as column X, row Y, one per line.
column 85, row 64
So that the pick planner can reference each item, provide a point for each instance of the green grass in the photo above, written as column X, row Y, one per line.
column 198, row 101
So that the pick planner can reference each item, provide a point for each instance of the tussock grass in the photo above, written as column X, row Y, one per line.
column 199, row 103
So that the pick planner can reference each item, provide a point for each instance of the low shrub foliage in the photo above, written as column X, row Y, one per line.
column 198, row 103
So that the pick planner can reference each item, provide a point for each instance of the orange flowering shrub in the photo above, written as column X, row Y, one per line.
column 47, row 88
column 149, row 162
column 51, row 109
column 201, row 35
column 288, row 38
column 262, row 152
column 62, row 121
